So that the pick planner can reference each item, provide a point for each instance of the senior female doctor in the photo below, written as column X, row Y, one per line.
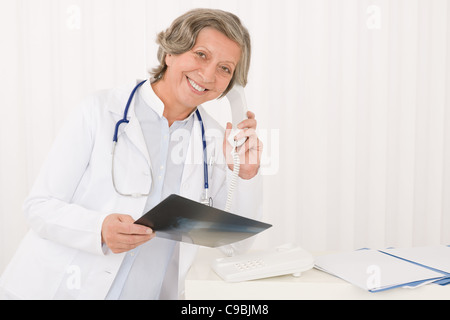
column 82, row 242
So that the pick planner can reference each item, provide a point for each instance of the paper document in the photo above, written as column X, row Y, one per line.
column 184, row 220
column 374, row 270
column 436, row 257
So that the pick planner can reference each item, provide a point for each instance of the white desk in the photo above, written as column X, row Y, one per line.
column 202, row 283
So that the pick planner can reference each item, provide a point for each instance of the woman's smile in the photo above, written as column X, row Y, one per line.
column 196, row 88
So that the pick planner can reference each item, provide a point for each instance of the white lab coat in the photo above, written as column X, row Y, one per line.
column 62, row 257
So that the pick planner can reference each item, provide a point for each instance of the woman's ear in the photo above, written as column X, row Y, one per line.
column 169, row 59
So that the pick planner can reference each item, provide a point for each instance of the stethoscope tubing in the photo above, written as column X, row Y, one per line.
column 125, row 113
column 125, row 120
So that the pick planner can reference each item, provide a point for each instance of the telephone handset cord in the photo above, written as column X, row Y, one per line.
column 229, row 250
column 234, row 179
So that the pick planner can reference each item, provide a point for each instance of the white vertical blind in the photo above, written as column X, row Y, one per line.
column 351, row 98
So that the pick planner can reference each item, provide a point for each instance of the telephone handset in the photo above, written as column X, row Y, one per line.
column 238, row 104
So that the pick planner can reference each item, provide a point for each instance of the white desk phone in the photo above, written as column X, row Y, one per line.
column 286, row 259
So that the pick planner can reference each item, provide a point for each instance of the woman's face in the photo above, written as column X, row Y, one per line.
column 203, row 73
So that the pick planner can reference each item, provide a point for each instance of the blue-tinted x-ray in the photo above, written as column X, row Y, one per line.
column 181, row 219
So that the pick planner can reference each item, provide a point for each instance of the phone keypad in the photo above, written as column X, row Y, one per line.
column 250, row 264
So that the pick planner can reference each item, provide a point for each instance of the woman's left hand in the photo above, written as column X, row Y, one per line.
column 250, row 152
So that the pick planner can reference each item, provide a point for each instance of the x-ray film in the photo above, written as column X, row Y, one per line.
column 184, row 220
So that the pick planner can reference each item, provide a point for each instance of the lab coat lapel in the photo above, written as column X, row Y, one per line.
column 133, row 131
column 192, row 183
column 192, row 179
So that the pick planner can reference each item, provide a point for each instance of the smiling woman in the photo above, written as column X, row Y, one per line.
column 80, row 212
column 181, row 37
column 199, row 75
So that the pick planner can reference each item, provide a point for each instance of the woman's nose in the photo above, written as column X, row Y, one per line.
column 208, row 73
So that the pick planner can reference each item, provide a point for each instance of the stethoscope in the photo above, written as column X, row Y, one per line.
column 205, row 197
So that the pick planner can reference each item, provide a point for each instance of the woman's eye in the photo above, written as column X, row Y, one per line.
column 201, row 54
column 226, row 69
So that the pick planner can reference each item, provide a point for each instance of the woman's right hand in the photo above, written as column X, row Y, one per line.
column 120, row 233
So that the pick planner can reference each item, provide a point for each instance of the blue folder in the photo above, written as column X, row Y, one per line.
column 379, row 270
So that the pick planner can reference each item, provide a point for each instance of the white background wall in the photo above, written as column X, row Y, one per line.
column 351, row 97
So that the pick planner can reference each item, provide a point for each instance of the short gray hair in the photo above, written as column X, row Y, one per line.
column 181, row 36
